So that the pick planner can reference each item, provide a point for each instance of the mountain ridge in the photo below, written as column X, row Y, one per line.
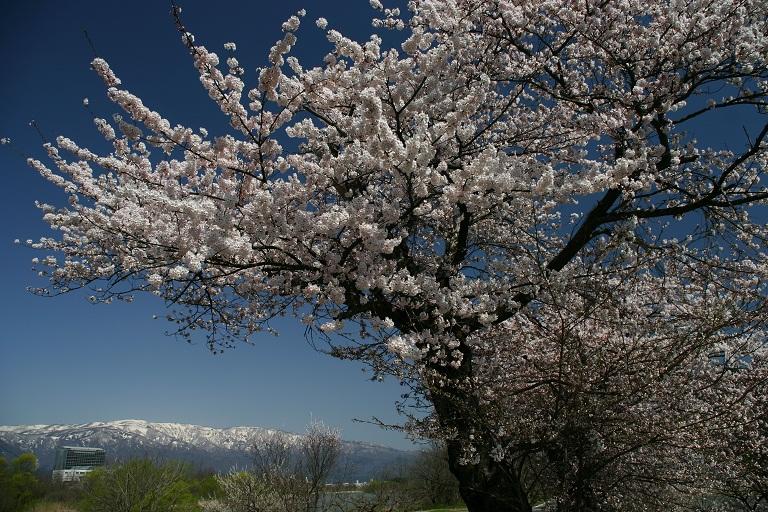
column 205, row 448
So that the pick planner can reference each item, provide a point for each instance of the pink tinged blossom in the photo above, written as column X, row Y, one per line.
column 403, row 347
column 155, row 280
column 105, row 73
column 292, row 24
column 178, row 272
column 104, row 128
column 330, row 327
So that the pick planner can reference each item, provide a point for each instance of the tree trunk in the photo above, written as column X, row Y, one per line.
column 487, row 485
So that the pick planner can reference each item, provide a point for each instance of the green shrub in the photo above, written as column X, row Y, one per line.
column 19, row 486
column 139, row 485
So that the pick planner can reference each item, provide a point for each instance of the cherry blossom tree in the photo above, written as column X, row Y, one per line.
column 512, row 211
column 630, row 394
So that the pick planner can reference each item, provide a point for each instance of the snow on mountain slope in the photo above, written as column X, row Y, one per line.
column 217, row 449
column 132, row 433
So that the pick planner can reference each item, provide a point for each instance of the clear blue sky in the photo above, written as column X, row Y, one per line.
column 64, row 360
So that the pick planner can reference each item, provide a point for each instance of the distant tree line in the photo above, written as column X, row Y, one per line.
column 137, row 485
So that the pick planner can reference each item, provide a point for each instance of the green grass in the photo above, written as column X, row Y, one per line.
column 52, row 507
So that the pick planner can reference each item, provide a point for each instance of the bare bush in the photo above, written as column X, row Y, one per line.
column 289, row 473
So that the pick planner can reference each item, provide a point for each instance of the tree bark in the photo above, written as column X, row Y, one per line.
column 487, row 485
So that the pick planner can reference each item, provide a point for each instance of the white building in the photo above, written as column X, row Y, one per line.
column 71, row 475
column 74, row 462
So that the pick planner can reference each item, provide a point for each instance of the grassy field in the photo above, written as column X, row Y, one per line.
column 51, row 507
column 58, row 507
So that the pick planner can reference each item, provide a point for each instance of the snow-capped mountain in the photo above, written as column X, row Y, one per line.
column 218, row 449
